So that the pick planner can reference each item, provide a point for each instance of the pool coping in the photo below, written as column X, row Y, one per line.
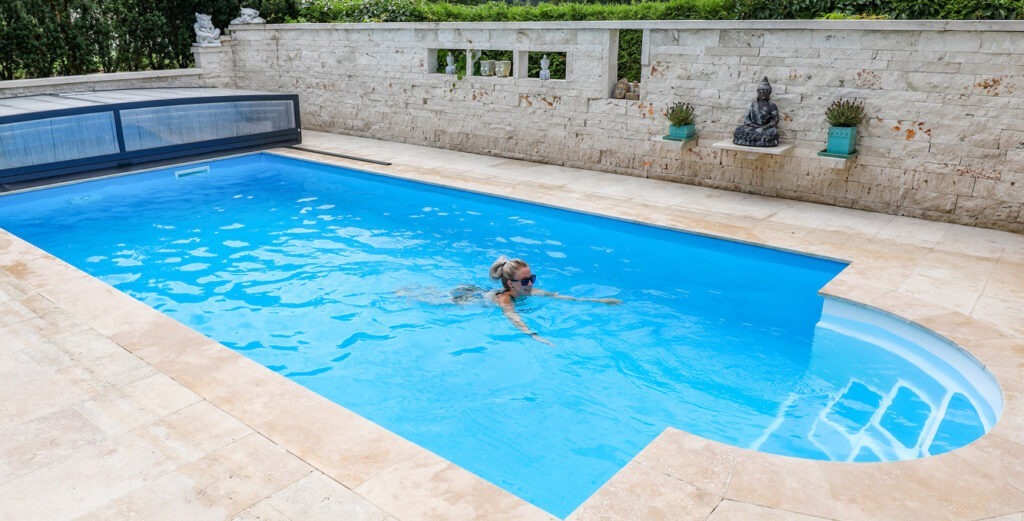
column 944, row 277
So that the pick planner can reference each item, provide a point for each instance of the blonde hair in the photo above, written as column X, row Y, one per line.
column 504, row 269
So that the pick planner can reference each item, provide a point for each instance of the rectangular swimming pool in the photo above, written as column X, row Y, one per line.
column 341, row 281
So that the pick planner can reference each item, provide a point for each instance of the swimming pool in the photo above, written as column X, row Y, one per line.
column 365, row 286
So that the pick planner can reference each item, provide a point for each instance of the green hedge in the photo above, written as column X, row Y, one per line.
column 355, row 11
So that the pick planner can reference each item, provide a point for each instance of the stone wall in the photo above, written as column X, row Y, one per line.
column 94, row 82
column 944, row 141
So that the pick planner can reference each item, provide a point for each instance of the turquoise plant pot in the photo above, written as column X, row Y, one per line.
column 680, row 132
column 841, row 140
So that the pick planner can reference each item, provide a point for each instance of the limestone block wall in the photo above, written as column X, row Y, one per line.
column 945, row 138
column 944, row 141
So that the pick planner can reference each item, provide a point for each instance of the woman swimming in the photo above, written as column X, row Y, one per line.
column 517, row 284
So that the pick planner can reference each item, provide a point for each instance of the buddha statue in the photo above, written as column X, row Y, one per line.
column 760, row 122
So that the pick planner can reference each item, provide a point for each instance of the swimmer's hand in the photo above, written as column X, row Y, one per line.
column 540, row 339
column 609, row 301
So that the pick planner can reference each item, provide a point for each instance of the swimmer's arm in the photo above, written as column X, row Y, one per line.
column 508, row 308
column 609, row 301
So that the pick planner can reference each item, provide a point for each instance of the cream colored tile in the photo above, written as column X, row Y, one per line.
column 857, row 222
column 1010, row 379
column 97, row 360
column 215, row 487
column 736, row 511
column 46, row 440
column 319, row 498
column 1006, row 280
column 197, row 430
column 1007, row 313
column 345, row 446
column 791, row 484
column 425, row 486
column 125, row 407
column 674, row 452
column 995, row 488
column 1010, row 517
column 966, row 270
column 960, row 328
column 231, row 477
column 976, row 241
column 147, row 328
column 908, row 230
column 84, row 481
column 31, row 391
column 172, row 496
column 639, row 492
column 999, row 352
column 1012, row 420
column 995, row 455
column 261, row 511
column 954, row 294
column 32, row 332
column 868, row 279
column 14, row 312
column 880, row 491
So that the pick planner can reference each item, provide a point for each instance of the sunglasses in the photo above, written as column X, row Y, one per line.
column 528, row 280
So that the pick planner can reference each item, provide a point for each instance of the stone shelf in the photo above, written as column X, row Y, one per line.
column 752, row 152
column 691, row 139
column 837, row 161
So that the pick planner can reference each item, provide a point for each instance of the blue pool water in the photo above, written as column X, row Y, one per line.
column 340, row 280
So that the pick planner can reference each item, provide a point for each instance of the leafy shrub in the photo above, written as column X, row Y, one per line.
column 975, row 10
column 388, row 11
column 630, row 44
column 917, row 9
column 680, row 114
column 845, row 113
column 844, row 16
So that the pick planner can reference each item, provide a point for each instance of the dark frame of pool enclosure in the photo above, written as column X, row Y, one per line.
column 51, row 143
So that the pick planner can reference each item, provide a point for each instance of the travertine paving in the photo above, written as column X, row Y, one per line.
column 114, row 411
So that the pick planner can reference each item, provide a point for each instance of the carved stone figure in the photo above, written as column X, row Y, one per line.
column 487, row 67
column 634, row 91
column 621, row 88
column 545, row 74
column 248, row 16
column 450, row 69
column 206, row 34
column 503, row 68
column 759, row 128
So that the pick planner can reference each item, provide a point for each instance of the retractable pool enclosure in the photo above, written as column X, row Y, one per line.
column 54, row 135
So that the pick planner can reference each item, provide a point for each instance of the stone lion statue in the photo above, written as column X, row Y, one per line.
column 206, row 33
column 248, row 16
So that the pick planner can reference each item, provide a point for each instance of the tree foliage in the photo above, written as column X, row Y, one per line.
column 40, row 38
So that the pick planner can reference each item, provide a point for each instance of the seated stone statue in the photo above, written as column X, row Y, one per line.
column 206, row 34
column 621, row 89
column 760, row 122
column 248, row 16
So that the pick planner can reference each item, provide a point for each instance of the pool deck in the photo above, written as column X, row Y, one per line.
column 111, row 410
